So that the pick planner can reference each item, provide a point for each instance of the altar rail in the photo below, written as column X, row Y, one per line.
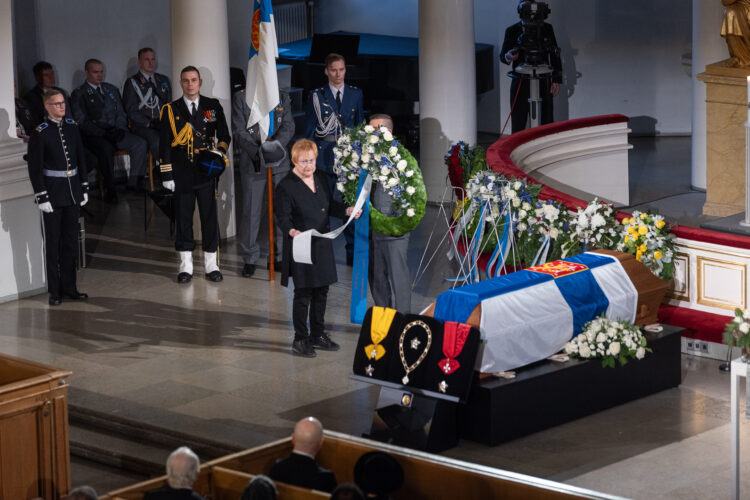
column 711, row 267
column 426, row 475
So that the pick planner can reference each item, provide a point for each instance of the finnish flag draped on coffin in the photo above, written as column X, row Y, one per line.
column 262, row 89
column 529, row 315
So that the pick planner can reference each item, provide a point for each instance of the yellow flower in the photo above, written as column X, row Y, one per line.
column 638, row 255
column 643, row 247
column 642, row 229
column 659, row 224
column 626, row 238
column 643, row 216
column 631, row 229
column 657, row 254
column 625, row 221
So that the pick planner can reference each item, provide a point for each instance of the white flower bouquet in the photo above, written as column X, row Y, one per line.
column 737, row 332
column 594, row 227
column 612, row 341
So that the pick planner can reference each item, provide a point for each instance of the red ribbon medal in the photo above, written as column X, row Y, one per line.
column 454, row 338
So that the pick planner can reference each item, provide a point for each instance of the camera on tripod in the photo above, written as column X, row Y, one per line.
column 533, row 48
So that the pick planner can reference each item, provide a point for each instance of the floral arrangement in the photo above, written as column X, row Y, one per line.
column 463, row 161
column 737, row 332
column 594, row 227
column 544, row 226
column 612, row 341
column 377, row 152
column 647, row 236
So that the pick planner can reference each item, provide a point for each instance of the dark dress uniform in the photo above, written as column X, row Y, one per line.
column 104, row 129
column 57, row 170
column 252, row 167
column 350, row 114
column 297, row 207
column 301, row 470
column 143, row 99
column 179, row 163
column 521, row 109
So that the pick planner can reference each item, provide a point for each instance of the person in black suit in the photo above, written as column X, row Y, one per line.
column 190, row 125
column 57, row 170
column 44, row 74
column 300, row 468
column 303, row 202
column 549, row 85
column 182, row 470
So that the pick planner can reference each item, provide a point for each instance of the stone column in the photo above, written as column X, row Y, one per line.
column 708, row 47
column 200, row 39
column 21, row 247
column 447, row 85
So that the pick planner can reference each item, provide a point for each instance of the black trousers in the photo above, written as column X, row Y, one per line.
column 521, row 109
column 61, row 249
column 184, row 209
column 309, row 301
column 104, row 151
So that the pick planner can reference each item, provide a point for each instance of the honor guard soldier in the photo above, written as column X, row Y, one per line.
column 189, row 128
column 331, row 109
column 98, row 109
column 57, row 171
column 255, row 158
column 143, row 96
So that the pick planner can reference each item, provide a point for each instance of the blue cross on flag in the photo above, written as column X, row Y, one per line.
column 262, row 90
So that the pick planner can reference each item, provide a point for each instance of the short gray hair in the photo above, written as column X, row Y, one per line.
column 182, row 468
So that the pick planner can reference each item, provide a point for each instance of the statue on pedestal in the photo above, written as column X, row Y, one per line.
column 736, row 31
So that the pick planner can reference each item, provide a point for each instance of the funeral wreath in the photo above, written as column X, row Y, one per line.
column 612, row 341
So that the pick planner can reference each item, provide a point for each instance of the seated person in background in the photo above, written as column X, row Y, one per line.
column 44, row 75
column 299, row 468
column 98, row 110
column 347, row 491
column 182, row 469
column 24, row 121
column 82, row 493
column 143, row 95
column 260, row 488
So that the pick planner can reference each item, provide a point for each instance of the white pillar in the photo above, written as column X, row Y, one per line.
column 200, row 39
column 708, row 47
column 447, row 85
column 21, row 249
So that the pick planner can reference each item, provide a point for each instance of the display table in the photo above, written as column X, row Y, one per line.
column 34, row 452
column 548, row 393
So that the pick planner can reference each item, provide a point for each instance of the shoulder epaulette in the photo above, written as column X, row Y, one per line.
column 70, row 120
column 41, row 126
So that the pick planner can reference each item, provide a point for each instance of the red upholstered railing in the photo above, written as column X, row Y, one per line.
column 706, row 326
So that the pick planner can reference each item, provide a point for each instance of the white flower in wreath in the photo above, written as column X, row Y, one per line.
column 410, row 190
column 516, row 203
column 370, row 149
column 410, row 212
column 597, row 221
column 521, row 226
column 745, row 327
column 409, row 173
column 374, row 139
column 526, row 206
column 584, row 351
column 571, row 348
column 614, row 348
column 551, row 212
column 369, row 129
column 340, row 186
column 392, row 150
column 583, row 221
column 601, row 337
column 401, row 165
column 385, row 170
column 392, row 182
column 517, row 185
column 365, row 158
column 522, row 213
column 640, row 353
column 351, row 177
column 611, row 332
column 554, row 233
column 387, row 134
column 383, row 179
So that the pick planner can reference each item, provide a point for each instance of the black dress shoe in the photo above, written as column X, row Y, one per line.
column 214, row 276
column 248, row 270
column 324, row 343
column 75, row 295
column 302, row 347
column 184, row 277
column 54, row 300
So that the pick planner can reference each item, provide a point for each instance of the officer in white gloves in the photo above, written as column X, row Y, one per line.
column 57, row 170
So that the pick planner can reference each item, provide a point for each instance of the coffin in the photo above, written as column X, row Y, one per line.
column 503, row 350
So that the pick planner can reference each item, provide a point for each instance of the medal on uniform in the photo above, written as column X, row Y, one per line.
column 380, row 323
column 410, row 368
column 454, row 338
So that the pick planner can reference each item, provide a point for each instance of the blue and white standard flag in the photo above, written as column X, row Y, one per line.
column 262, row 90
column 529, row 315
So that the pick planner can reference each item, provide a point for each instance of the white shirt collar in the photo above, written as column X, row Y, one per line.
column 148, row 77
column 188, row 102
column 95, row 87
column 334, row 90
column 56, row 122
column 303, row 454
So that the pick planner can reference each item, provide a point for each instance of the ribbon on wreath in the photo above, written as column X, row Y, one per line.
column 358, row 307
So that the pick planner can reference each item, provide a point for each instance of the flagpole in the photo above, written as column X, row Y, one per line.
column 271, row 256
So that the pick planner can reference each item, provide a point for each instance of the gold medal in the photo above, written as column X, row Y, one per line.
column 410, row 368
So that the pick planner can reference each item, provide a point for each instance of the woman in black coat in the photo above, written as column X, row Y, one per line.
column 303, row 201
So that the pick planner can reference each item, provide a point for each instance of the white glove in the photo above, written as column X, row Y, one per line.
column 85, row 199
column 169, row 185
column 46, row 207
